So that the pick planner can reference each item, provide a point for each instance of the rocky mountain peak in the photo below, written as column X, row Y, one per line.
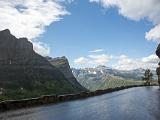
column 21, row 67
column 5, row 32
column 63, row 65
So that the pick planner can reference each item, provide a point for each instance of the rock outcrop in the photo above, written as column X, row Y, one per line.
column 63, row 65
column 22, row 69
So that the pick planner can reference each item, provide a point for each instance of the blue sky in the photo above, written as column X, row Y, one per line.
column 90, row 27
column 115, row 33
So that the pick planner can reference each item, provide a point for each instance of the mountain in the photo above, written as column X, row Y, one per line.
column 24, row 73
column 136, row 74
column 62, row 64
column 102, row 77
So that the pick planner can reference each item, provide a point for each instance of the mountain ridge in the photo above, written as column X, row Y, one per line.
column 102, row 77
column 25, row 73
column 101, row 69
column 63, row 65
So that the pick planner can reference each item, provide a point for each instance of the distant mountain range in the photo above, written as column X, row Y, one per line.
column 24, row 73
column 136, row 74
column 99, row 77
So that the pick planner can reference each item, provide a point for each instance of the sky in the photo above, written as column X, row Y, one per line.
column 122, row 34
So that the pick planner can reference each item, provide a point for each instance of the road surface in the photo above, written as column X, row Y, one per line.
column 131, row 104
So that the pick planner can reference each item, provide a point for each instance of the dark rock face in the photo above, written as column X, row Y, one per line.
column 63, row 65
column 12, row 49
column 21, row 67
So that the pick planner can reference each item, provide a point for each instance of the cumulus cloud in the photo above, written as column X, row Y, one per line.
column 96, row 50
column 93, row 60
column 153, row 34
column 126, row 63
column 137, row 10
column 122, row 62
column 28, row 18
column 100, row 59
column 81, row 60
column 66, row 1
column 150, row 59
column 41, row 48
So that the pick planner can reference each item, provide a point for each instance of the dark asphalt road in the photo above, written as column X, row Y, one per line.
column 130, row 104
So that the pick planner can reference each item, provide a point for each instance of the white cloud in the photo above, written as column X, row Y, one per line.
column 66, row 1
column 126, row 63
column 41, row 48
column 150, row 59
column 96, row 50
column 102, row 59
column 124, row 59
column 154, row 34
column 28, row 18
column 93, row 60
column 81, row 60
column 122, row 62
column 137, row 10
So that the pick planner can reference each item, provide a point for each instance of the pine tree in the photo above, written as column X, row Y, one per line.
column 148, row 76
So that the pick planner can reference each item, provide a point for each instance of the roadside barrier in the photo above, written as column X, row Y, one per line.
column 50, row 99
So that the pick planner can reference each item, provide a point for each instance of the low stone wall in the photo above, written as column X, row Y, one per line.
column 48, row 99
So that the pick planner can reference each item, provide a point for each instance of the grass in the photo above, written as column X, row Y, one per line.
column 39, row 89
column 55, row 88
column 104, row 84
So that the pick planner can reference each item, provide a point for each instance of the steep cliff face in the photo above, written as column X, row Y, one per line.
column 21, row 69
column 63, row 65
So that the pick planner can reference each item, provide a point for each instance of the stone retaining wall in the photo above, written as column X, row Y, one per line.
column 48, row 99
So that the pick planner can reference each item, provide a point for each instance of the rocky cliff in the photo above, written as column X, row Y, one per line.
column 63, row 65
column 26, row 73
